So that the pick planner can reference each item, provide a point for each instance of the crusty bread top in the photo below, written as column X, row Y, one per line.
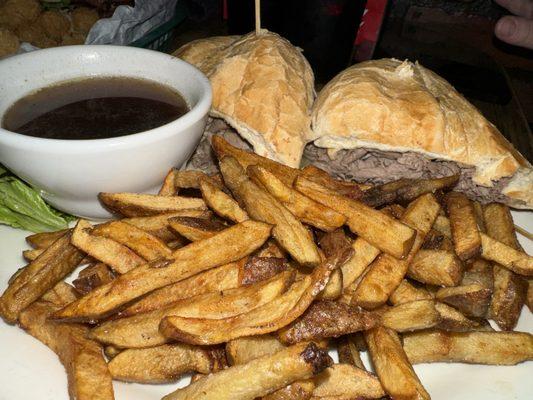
column 264, row 87
column 400, row 106
column 197, row 51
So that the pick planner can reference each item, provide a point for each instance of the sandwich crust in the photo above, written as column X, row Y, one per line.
column 399, row 106
column 263, row 87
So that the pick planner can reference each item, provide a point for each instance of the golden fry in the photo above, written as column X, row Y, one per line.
column 472, row 300
column 492, row 348
column 221, row 203
column 195, row 229
column 465, row 232
column 345, row 382
column 413, row 316
column 514, row 260
column 436, row 267
column 407, row 292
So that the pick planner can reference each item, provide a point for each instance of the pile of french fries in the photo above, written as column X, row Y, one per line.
column 248, row 278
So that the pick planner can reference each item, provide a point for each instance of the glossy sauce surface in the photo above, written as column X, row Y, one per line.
column 95, row 108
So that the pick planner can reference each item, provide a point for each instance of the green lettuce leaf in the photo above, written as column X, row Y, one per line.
column 22, row 207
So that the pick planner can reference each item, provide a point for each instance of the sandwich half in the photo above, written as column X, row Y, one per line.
column 382, row 120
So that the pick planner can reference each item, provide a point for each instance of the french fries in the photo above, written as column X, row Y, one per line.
column 436, row 267
column 514, row 260
column 309, row 211
column 472, row 300
column 91, row 277
column 41, row 275
column 363, row 255
column 392, row 366
column 266, row 319
column 161, row 364
column 348, row 352
column 258, row 377
column 299, row 390
column 138, row 205
column 386, row 272
column 88, row 375
column 195, row 229
column 465, row 232
column 43, row 240
column 453, row 320
column 245, row 349
column 346, row 382
column 325, row 319
column 176, row 180
column 382, row 231
column 142, row 330
column 492, row 348
column 221, row 203
column 229, row 245
column 220, row 278
column 412, row 316
column 260, row 205
column 407, row 292
column 256, row 269
column 351, row 190
column 406, row 190
column 510, row 290
column 223, row 149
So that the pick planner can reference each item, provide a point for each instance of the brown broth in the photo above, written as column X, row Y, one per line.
column 95, row 108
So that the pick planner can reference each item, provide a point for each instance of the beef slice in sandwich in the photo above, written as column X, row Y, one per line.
column 382, row 120
column 263, row 88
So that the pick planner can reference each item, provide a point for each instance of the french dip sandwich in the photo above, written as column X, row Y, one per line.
column 375, row 122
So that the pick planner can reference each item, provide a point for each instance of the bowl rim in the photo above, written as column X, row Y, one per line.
column 195, row 114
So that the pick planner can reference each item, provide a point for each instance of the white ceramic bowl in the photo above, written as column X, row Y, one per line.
column 71, row 173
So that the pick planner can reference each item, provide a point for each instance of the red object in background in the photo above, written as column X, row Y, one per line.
column 369, row 28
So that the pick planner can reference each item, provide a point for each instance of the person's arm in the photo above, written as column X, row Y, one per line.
column 516, row 29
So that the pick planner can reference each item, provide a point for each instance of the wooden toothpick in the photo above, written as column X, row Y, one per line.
column 257, row 17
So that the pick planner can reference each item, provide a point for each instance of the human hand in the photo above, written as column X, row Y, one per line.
column 516, row 29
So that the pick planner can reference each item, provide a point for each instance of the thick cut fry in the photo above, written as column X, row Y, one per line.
column 176, row 180
column 93, row 276
column 325, row 319
column 472, row 300
column 510, row 290
column 307, row 210
column 88, row 375
column 138, row 205
column 110, row 252
column 168, row 188
column 363, row 255
column 43, row 240
column 258, row 377
column 215, row 279
column 30, row 255
column 229, row 245
column 41, row 275
column 352, row 190
column 436, row 267
column 269, row 318
column 442, row 225
column 141, row 242
column 260, row 205
column 257, row 269
column 333, row 289
column 245, row 349
column 382, row 231
column 157, row 225
column 406, row 190
column 299, row 390
column 386, row 273
column 223, row 149
column 161, row 364
column 346, row 382
column 529, row 297
column 437, row 241
column 334, row 241
column 514, row 260
column 392, row 366
column 478, row 272
column 407, row 292
column 221, row 203
column 465, row 232
column 348, row 352
column 142, row 330
column 412, row 316
column 492, row 348
column 480, row 220
column 195, row 229
column 453, row 320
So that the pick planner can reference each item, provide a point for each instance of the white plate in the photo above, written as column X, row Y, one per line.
column 29, row 370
